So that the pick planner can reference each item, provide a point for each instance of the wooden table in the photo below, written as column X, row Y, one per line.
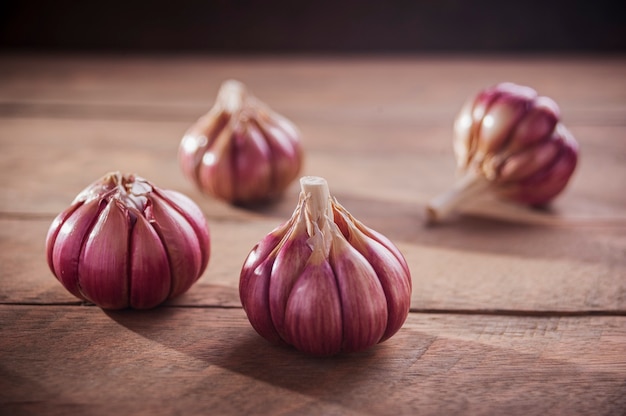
column 516, row 317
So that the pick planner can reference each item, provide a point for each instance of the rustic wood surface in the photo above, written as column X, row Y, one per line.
column 513, row 311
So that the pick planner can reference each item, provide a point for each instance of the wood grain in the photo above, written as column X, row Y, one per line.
column 194, row 361
column 474, row 265
column 421, row 87
column 39, row 171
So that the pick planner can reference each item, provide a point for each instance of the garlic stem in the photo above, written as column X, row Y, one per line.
column 443, row 205
column 318, row 206
column 231, row 96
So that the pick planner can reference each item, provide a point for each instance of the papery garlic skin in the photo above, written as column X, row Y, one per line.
column 323, row 282
column 241, row 151
column 509, row 140
column 125, row 243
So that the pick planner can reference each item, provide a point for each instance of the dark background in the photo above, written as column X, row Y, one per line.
column 281, row 26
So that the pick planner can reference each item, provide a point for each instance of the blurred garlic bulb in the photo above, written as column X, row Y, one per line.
column 323, row 282
column 510, row 141
column 124, row 243
column 241, row 151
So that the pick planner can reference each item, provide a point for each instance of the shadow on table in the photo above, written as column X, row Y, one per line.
column 405, row 222
column 232, row 344
column 444, row 368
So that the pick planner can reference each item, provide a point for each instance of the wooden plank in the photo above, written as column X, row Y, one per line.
column 483, row 264
column 171, row 360
column 508, row 317
column 475, row 265
column 45, row 162
column 348, row 124
column 428, row 88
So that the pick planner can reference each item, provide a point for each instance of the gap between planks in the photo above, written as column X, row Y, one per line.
column 189, row 111
column 425, row 311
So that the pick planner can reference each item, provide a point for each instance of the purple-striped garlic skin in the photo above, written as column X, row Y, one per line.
column 514, row 138
column 241, row 151
column 510, row 141
column 125, row 243
column 323, row 282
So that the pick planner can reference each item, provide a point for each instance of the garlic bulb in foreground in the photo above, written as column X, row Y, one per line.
column 123, row 243
column 241, row 151
column 510, row 141
column 323, row 282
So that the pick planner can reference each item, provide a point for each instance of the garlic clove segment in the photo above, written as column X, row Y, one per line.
column 508, row 140
column 241, row 151
column 363, row 303
column 151, row 279
column 323, row 282
column 65, row 239
column 103, row 261
column 313, row 313
column 125, row 243
column 255, row 278
column 286, row 269
column 387, row 262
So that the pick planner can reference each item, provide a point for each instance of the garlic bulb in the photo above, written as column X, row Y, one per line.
column 323, row 282
column 123, row 242
column 241, row 151
column 510, row 141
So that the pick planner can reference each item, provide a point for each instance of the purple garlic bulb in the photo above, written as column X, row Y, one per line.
column 124, row 243
column 241, row 151
column 509, row 140
column 323, row 282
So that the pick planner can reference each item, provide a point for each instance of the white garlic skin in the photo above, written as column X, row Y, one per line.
column 325, row 284
column 241, row 151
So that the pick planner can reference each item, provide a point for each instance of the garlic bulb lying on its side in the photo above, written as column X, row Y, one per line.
column 123, row 243
column 510, row 141
column 323, row 282
column 241, row 151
